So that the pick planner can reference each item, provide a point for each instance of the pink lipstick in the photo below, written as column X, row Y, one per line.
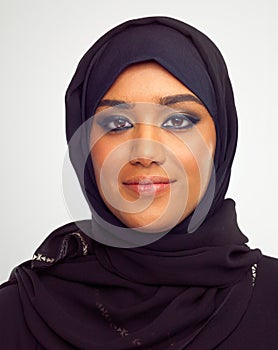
column 148, row 185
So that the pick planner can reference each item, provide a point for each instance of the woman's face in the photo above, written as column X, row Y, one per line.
column 153, row 143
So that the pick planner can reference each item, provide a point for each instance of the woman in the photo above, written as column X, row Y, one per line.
column 152, row 131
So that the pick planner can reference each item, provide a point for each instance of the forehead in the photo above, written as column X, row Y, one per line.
column 145, row 82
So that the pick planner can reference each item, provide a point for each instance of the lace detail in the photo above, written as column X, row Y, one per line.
column 40, row 257
column 254, row 273
column 41, row 260
column 83, row 242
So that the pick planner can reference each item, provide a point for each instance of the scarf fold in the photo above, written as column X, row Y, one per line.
column 184, row 291
column 80, row 294
column 188, row 55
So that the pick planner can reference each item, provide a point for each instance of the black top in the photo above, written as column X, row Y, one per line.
column 78, row 294
column 198, row 291
column 258, row 330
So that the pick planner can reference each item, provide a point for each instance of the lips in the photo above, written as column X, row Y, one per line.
column 148, row 185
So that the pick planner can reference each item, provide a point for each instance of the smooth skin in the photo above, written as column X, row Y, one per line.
column 153, row 143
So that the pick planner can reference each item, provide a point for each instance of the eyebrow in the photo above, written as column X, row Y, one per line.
column 115, row 103
column 171, row 100
column 166, row 101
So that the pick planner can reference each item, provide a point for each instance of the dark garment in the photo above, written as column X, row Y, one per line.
column 190, row 288
column 79, row 294
column 258, row 330
column 195, row 291
column 188, row 55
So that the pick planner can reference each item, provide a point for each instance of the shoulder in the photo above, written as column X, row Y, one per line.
column 9, row 302
column 14, row 333
column 267, row 271
column 270, row 261
column 266, row 287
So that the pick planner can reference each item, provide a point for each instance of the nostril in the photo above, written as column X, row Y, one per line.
column 146, row 152
column 146, row 162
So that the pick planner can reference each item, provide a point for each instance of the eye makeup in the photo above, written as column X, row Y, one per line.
column 180, row 121
column 115, row 123
column 176, row 121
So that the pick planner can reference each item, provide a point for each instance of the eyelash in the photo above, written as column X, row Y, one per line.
column 126, row 124
column 191, row 120
column 104, row 123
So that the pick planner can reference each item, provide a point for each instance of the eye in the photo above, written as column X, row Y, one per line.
column 115, row 123
column 180, row 121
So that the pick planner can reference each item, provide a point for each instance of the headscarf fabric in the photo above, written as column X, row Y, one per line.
column 185, row 291
column 188, row 55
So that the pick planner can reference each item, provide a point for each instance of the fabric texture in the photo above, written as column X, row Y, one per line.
column 80, row 294
column 185, row 291
column 186, row 53
column 257, row 329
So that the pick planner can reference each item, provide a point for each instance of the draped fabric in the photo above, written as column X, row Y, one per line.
column 185, row 291
column 186, row 53
column 81, row 294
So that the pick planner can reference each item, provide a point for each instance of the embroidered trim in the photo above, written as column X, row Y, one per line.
column 254, row 273
column 44, row 258
column 105, row 313
column 123, row 332
column 83, row 242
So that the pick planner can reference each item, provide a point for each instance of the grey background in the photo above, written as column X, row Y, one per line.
column 41, row 44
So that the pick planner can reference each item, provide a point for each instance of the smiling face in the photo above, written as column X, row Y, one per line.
column 153, row 143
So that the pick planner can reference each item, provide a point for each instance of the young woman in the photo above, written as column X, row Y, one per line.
column 152, row 132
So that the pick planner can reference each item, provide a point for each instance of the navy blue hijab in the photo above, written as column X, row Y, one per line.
column 184, row 291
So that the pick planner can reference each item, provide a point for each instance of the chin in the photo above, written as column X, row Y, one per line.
column 151, row 224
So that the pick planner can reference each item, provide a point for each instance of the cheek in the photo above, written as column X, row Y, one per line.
column 109, row 156
column 107, row 152
column 98, row 154
column 191, row 178
column 196, row 157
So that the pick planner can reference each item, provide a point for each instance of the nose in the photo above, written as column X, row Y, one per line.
column 147, row 147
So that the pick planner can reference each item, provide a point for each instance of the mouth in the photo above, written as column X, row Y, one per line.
column 148, row 185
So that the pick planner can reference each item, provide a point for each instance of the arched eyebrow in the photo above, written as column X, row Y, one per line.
column 165, row 101
column 115, row 103
column 171, row 100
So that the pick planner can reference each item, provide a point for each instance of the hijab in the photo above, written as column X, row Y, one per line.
column 188, row 55
column 184, row 291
